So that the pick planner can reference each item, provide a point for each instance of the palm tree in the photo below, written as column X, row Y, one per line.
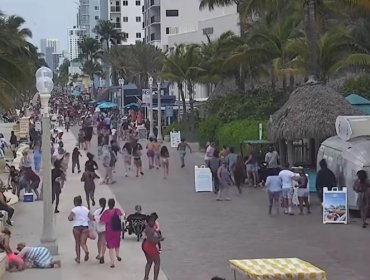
column 137, row 62
column 109, row 35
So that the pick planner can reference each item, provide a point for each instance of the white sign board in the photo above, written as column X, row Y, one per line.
column 203, row 179
column 175, row 138
column 146, row 96
column 24, row 127
column 335, row 206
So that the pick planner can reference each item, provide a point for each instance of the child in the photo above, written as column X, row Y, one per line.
column 165, row 155
column 37, row 158
column 76, row 159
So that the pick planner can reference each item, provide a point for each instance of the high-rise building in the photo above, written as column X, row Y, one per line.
column 47, row 48
column 127, row 16
column 89, row 14
column 75, row 35
column 170, row 22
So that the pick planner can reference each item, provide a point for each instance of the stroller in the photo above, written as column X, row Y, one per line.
column 134, row 225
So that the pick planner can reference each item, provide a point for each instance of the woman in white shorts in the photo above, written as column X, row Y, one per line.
column 303, row 193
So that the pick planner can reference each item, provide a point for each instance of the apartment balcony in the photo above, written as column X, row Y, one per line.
column 155, row 20
column 115, row 9
column 156, row 43
column 154, row 3
column 117, row 25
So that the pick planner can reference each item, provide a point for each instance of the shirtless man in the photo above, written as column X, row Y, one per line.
column 182, row 150
column 157, row 156
column 150, row 152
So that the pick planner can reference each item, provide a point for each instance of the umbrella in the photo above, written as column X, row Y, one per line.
column 107, row 105
column 132, row 105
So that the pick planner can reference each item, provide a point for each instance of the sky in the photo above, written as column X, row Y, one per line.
column 45, row 18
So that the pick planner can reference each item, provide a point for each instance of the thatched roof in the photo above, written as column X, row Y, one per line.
column 310, row 112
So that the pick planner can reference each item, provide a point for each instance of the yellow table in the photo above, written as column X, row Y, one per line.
column 277, row 269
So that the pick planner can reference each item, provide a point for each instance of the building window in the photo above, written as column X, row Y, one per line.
column 117, row 3
column 172, row 13
column 138, row 19
column 125, row 19
column 96, row 8
column 125, row 35
column 96, row 17
column 138, row 3
column 125, row 3
column 138, row 35
column 167, row 30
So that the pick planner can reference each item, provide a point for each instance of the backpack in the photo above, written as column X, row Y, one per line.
column 116, row 222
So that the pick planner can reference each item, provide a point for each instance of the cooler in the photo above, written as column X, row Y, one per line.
column 28, row 197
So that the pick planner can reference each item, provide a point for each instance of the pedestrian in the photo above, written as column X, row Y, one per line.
column 165, row 156
column 38, row 257
column 150, row 152
column 231, row 159
column 81, row 139
column 13, row 143
column 150, row 248
column 90, row 164
column 272, row 158
column 80, row 216
column 88, row 178
column 66, row 122
column 182, row 151
column 325, row 179
column 252, row 167
column 100, row 229
column 209, row 153
column 13, row 180
column 157, row 228
column 106, row 164
column 136, row 154
column 362, row 188
column 287, row 178
column 274, row 188
column 303, row 192
column 239, row 173
column 76, row 160
column 214, row 164
column 4, row 206
column 57, row 176
column 100, row 144
column 157, row 153
column 5, row 241
column 37, row 158
column 112, row 163
column 113, row 227
column 224, row 178
column 127, row 157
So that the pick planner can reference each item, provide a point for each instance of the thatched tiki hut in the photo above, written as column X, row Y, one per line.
column 305, row 120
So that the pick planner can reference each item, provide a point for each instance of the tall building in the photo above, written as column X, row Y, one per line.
column 75, row 35
column 170, row 22
column 47, row 48
column 127, row 16
column 89, row 14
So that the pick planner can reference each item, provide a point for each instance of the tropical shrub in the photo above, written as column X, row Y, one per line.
column 207, row 130
column 360, row 86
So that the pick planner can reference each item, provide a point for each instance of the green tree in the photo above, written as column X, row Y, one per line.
column 109, row 35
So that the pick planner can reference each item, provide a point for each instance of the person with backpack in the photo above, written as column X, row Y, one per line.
column 113, row 227
column 214, row 163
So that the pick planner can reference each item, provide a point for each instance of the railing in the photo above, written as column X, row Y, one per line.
column 155, row 19
column 117, row 25
column 114, row 9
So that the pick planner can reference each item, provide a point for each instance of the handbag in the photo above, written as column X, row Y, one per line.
column 92, row 231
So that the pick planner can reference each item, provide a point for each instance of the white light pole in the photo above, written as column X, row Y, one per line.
column 151, row 132
column 44, row 85
column 159, row 135
column 121, row 82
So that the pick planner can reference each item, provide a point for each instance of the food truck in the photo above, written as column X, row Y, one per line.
column 348, row 152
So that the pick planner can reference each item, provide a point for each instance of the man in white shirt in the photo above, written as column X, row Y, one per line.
column 272, row 158
column 287, row 177
column 209, row 153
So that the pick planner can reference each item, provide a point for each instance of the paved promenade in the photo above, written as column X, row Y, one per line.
column 28, row 228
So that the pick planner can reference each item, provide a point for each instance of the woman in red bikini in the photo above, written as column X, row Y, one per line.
column 150, row 248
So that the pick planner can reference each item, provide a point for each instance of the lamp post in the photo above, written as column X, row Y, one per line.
column 121, row 82
column 151, row 132
column 159, row 135
column 44, row 85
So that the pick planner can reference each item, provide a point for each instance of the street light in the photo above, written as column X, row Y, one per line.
column 44, row 85
column 121, row 82
column 151, row 132
column 159, row 135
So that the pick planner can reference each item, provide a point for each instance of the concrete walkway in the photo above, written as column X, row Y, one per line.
column 28, row 228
